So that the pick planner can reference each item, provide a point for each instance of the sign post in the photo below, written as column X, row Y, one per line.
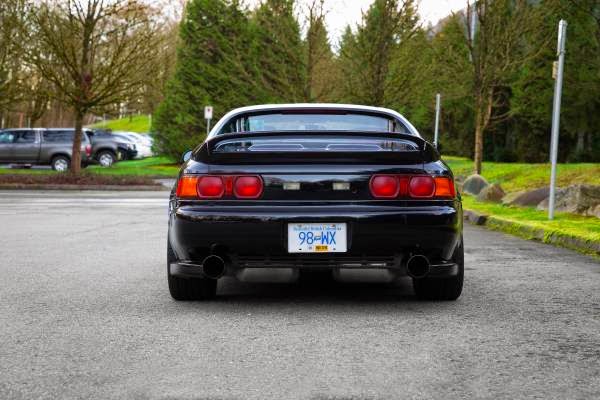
column 562, row 37
column 436, row 137
column 208, row 114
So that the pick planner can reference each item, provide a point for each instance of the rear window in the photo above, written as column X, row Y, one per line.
column 60, row 136
column 25, row 137
column 292, row 121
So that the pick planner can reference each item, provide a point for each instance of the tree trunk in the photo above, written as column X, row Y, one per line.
column 482, row 119
column 76, row 156
column 478, row 141
column 580, row 145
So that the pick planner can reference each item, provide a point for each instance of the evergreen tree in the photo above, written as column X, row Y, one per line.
column 280, row 52
column 366, row 55
column 321, row 68
column 213, row 68
column 410, row 83
column 533, row 88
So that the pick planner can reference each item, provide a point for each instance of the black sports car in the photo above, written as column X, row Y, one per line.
column 315, row 187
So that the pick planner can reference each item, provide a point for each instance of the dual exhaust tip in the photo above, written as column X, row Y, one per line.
column 213, row 267
column 418, row 266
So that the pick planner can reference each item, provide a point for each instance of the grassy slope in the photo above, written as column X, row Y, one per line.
column 574, row 225
column 518, row 176
column 138, row 123
column 153, row 166
column 159, row 167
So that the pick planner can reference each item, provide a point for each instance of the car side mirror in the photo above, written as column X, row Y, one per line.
column 439, row 148
column 187, row 155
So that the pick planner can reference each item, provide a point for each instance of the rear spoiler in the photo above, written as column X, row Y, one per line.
column 311, row 147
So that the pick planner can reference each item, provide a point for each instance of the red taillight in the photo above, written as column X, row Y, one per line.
column 217, row 187
column 444, row 187
column 88, row 150
column 248, row 187
column 417, row 187
column 421, row 186
column 211, row 187
column 384, row 186
column 187, row 187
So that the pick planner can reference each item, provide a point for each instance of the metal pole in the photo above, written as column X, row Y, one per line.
column 438, row 101
column 562, row 36
column 207, row 126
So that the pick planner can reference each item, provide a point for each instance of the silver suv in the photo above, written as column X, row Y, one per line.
column 42, row 147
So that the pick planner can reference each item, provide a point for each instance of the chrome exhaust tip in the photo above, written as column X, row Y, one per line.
column 418, row 266
column 213, row 267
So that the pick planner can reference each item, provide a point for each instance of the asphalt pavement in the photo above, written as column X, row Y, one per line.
column 85, row 314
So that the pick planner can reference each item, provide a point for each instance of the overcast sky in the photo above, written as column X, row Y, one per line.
column 344, row 12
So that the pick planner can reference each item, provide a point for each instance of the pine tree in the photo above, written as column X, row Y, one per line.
column 213, row 68
column 280, row 52
column 321, row 68
column 367, row 55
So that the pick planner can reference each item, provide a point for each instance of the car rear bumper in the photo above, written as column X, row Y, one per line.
column 256, row 236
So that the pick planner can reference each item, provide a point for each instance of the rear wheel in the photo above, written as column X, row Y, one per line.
column 445, row 288
column 60, row 163
column 106, row 158
column 188, row 288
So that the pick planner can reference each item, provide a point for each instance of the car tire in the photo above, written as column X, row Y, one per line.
column 185, row 289
column 443, row 288
column 106, row 158
column 60, row 163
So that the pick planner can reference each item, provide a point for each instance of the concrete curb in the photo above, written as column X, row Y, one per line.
column 524, row 231
column 137, row 188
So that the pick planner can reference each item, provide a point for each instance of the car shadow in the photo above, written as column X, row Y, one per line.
column 324, row 292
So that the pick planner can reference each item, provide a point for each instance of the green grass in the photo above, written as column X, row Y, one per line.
column 587, row 228
column 520, row 176
column 160, row 167
column 138, row 123
column 155, row 167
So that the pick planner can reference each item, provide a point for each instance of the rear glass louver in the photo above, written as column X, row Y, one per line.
column 286, row 145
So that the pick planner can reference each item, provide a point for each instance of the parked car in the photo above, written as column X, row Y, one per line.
column 315, row 187
column 52, row 147
column 108, row 148
column 143, row 147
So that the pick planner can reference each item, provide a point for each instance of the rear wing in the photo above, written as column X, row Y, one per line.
column 311, row 147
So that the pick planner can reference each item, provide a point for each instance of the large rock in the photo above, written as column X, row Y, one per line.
column 493, row 193
column 576, row 199
column 474, row 184
column 530, row 198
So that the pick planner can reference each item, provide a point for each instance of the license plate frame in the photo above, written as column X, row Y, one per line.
column 317, row 237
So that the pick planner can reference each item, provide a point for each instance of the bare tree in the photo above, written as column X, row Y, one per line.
column 496, row 34
column 94, row 52
column 12, row 20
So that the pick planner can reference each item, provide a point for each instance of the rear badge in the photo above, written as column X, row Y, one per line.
column 291, row 186
column 341, row 186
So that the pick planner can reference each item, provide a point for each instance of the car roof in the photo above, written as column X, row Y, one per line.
column 312, row 106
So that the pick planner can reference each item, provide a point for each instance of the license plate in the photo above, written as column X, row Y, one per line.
column 317, row 238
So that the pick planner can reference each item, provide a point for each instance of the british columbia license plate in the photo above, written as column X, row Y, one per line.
column 317, row 238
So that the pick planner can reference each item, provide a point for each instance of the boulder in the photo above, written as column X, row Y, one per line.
column 576, row 199
column 458, row 182
column 529, row 198
column 493, row 193
column 474, row 184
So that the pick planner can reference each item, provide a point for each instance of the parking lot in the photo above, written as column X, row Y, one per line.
column 85, row 312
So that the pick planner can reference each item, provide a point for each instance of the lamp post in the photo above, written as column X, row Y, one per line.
column 562, row 37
